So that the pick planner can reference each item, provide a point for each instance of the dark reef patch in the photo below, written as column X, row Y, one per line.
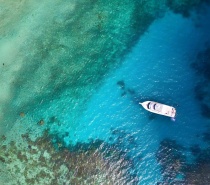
column 195, row 150
column 175, row 182
column 206, row 136
column 184, row 6
column 198, row 172
column 200, row 92
column 202, row 64
column 124, row 89
column 205, row 107
column 127, row 144
column 202, row 88
column 170, row 157
column 121, row 84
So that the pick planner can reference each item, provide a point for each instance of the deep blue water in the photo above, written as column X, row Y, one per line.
column 159, row 68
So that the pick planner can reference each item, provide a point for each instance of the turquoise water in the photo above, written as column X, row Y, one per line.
column 71, row 88
column 158, row 68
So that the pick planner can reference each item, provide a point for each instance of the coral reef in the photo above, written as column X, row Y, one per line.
column 48, row 161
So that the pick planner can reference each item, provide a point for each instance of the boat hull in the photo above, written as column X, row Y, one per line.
column 159, row 108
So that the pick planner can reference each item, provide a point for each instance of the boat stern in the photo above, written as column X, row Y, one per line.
column 173, row 112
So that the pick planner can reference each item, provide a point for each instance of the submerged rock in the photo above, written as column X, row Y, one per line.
column 22, row 114
column 41, row 122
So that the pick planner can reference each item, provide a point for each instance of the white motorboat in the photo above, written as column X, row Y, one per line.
column 159, row 108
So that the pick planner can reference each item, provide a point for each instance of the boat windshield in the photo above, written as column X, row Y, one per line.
column 157, row 107
column 148, row 105
column 154, row 106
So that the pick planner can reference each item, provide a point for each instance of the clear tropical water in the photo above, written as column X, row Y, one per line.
column 72, row 78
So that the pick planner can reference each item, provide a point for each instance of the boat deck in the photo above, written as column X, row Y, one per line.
column 159, row 108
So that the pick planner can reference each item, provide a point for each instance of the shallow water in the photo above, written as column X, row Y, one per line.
column 84, row 89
